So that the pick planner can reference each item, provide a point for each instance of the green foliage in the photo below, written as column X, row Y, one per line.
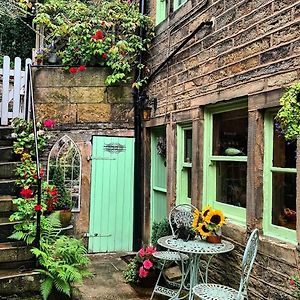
column 131, row 273
column 64, row 195
column 289, row 114
column 100, row 33
column 295, row 282
column 160, row 229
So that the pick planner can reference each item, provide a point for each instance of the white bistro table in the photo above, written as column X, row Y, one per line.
column 194, row 249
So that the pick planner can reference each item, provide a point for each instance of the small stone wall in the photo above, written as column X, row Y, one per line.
column 82, row 107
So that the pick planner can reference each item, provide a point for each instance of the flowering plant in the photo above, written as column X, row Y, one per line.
column 98, row 33
column 208, row 221
column 141, row 266
column 295, row 282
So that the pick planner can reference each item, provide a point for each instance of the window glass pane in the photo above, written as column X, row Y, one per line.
column 284, row 199
column 284, row 152
column 230, row 131
column 189, row 182
column 188, row 146
column 231, row 183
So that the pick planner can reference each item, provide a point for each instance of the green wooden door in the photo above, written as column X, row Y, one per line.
column 158, row 177
column 111, row 210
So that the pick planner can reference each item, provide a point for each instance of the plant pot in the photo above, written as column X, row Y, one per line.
column 65, row 217
column 214, row 239
column 150, row 280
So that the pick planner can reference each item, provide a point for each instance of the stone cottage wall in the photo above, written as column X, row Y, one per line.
column 251, row 51
column 83, row 107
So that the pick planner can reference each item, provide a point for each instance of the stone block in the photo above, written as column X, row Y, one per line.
column 286, row 34
column 52, row 95
column 122, row 113
column 281, row 4
column 257, row 15
column 93, row 113
column 275, row 54
column 282, row 79
column 244, row 8
column 61, row 113
column 119, row 94
column 88, row 94
column 243, row 65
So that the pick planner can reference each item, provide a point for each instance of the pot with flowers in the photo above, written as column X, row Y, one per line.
column 207, row 223
column 143, row 268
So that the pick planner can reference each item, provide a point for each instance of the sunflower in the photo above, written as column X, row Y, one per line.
column 215, row 217
column 203, row 230
column 197, row 215
column 206, row 210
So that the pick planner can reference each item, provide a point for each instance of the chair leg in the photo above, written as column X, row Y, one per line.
column 158, row 279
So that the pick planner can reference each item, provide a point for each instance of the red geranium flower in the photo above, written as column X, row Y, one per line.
column 73, row 70
column 26, row 193
column 147, row 264
column 98, row 35
column 81, row 68
column 38, row 207
column 142, row 252
column 54, row 192
column 49, row 123
column 104, row 56
column 292, row 282
column 143, row 273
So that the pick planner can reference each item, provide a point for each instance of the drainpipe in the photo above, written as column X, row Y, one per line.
column 138, row 99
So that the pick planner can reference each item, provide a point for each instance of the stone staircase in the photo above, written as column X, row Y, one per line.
column 17, row 277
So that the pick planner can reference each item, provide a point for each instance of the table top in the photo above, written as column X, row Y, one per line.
column 196, row 246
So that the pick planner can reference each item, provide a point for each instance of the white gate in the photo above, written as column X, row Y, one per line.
column 12, row 90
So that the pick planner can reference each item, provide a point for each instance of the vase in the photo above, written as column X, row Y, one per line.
column 65, row 216
column 214, row 239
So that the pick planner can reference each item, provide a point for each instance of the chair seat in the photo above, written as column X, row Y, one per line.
column 215, row 292
column 170, row 255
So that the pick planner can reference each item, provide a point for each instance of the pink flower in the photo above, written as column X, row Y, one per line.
column 26, row 193
column 147, row 264
column 81, row 68
column 73, row 70
column 143, row 273
column 38, row 207
column 292, row 282
column 49, row 123
column 142, row 252
column 150, row 250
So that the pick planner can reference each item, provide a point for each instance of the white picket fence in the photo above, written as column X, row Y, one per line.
column 12, row 90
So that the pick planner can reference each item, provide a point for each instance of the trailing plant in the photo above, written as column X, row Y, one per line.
column 160, row 229
column 288, row 116
column 97, row 33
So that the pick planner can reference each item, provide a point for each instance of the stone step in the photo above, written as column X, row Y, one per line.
column 8, row 170
column 5, row 132
column 8, row 187
column 18, row 282
column 6, row 229
column 6, row 204
column 7, row 154
column 14, row 252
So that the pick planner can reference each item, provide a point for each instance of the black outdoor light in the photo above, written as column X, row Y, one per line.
column 147, row 108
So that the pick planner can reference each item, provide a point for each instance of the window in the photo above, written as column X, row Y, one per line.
column 161, row 11
column 184, row 164
column 225, row 159
column 178, row 3
column 279, row 183
column 66, row 155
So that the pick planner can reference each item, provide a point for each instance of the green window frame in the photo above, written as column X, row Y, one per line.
column 270, row 229
column 161, row 11
column 178, row 3
column 235, row 214
column 184, row 165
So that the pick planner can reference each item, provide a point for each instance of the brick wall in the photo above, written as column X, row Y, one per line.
column 251, row 51
column 83, row 107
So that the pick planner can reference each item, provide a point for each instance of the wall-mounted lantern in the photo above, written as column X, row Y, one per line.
column 147, row 108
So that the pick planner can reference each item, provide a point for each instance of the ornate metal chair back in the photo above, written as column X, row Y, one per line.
column 181, row 215
column 248, row 261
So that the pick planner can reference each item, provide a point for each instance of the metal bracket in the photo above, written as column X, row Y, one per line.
column 97, row 235
column 89, row 158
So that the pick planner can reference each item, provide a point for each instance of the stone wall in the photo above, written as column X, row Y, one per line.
column 252, row 51
column 82, row 107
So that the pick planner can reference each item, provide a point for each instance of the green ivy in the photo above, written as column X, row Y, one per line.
column 288, row 116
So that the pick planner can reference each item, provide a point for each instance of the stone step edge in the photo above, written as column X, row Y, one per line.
column 27, row 273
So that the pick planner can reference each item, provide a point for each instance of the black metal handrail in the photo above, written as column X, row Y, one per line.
column 30, row 114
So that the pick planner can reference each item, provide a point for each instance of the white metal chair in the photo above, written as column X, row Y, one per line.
column 222, row 292
column 180, row 215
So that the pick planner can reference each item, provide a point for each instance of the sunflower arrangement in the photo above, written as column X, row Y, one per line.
column 208, row 221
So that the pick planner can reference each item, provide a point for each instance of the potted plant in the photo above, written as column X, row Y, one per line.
column 142, row 269
column 207, row 223
column 64, row 200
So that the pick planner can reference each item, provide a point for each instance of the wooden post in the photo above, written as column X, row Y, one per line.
column 298, row 194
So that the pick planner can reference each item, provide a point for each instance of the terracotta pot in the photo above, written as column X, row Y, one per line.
column 150, row 280
column 65, row 217
column 214, row 239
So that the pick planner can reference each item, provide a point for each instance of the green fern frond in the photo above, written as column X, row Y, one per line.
column 46, row 287
column 62, row 286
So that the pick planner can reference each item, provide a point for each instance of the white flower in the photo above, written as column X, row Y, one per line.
column 41, row 132
column 14, row 135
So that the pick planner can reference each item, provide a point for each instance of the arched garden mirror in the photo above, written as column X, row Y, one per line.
column 65, row 161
